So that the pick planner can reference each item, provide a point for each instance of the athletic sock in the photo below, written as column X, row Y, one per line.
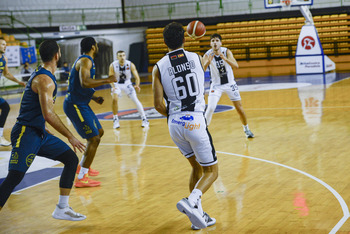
column 1, row 132
column 195, row 196
column 115, row 117
column 82, row 172
column 63, row 201
column 245, row 127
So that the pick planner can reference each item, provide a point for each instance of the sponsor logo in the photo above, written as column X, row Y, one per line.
column 87, row 129
column 308, row 42
column 150, row 112
column 14, row 158
column 30, row 159
column 173, row 57
column 187, row 117
column 186, row 125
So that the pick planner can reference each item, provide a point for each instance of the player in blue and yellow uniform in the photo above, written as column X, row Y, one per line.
column 29, row 136
column 76, row 106
column 4, row 106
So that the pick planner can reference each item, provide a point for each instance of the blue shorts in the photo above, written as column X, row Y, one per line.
column 2, row 100
column 83, row 119
column 27, row 142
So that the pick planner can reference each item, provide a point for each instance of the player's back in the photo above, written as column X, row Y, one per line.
column 76, row 93
column 182, row 77
column 30, row 113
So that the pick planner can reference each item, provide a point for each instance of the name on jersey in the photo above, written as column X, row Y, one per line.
column 186, row 125
column 187, row 66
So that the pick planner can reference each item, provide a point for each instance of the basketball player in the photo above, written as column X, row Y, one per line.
column 221, row 62
column 76, row 106
column 179, row 78
column 123, row 68
column 4, row 106
column 29, row 136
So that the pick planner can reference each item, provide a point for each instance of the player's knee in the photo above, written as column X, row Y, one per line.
column 5, row 107
column 101, row 132
column 95, row 140
column 68, row 158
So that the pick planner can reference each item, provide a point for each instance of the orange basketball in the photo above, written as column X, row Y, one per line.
column 196, row 29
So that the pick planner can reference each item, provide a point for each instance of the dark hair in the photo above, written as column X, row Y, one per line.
column 1, row 38
column 174, row 35
column 216, row 35
column 120, row 51
column 48, row 49
column 86, row 44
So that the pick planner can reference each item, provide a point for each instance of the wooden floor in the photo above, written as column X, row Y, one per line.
column 293, row 177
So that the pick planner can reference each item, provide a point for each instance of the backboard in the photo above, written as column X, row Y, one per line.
column 282, row 3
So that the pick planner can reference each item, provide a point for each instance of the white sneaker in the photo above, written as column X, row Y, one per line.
column 208, row 220
column 192, row 212
column 116, row 123
column 67, row 214
column 145, row 123
column 249, row 134
column 4, row 142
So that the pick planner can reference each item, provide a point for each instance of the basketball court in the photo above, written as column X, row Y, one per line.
column 291, row 178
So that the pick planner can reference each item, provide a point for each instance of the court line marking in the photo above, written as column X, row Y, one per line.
column 346, row 213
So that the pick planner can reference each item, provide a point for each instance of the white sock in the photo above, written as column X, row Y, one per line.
column 1, row 132
column 245, row 127
column 195, row 196
column 82, row 172
column 82, row 160
column 115, row 117
column 63, row 201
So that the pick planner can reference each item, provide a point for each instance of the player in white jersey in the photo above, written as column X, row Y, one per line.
column 179, row 79
column 123, row 68
column 221, row 62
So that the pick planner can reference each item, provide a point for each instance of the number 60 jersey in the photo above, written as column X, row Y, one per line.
column 182, row 77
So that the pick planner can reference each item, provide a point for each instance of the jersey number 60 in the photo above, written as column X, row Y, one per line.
column 180, row 84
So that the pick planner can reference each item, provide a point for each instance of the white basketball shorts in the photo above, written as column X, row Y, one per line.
column 230, row 88
column 189, row 132
column 118, row 88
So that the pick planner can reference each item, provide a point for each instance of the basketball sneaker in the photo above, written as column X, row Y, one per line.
column 67, row 213
column 92, row 172
column 249, row 134
column 192, row 213
column 145, row 123
column 208, row 220
column 4, row 142
column 116, row 123
column 86, row 182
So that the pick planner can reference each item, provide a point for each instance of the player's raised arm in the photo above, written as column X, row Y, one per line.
column 83, row 66
column 230, row 59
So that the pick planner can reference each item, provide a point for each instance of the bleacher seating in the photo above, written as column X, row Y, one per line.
column 262, row 39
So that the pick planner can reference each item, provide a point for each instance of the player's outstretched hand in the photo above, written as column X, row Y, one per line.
column 98, row 100
column 77, row 144
column 22, row 83
column 138, row 89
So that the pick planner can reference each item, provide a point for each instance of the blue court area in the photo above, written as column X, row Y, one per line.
column 37, row 177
